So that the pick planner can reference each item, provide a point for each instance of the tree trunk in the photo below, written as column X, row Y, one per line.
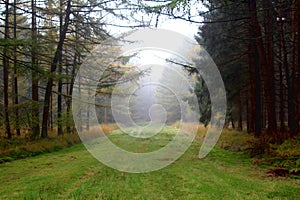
column 252, row 106
column 291, row 105
column 240, row 121
column 248, row 114
column 16, row 92
column 293, row 72
column 70, row 91
column 269, row 70
column 281, row 93
column 232, row 122
column 6, row 71
column 105, row 109
column 255, row 32
column 258, row 106
column 59, row 88
column 35, row 118
column 88, row 113
column 298, row 57
column 51, row 112
column 52, row 71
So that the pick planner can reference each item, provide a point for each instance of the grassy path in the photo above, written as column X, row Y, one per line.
column 74, row 174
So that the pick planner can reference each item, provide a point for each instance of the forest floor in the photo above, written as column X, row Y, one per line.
column 73, row 173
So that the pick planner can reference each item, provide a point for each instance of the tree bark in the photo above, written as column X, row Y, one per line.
column 256, row 47
column 293, row 85
column 6, row 72
column 281, row 93
column 269, row 69
column 298, row 58
column 240, row 121
column 248, row 114
column 16, row 92
column 53, row 69
column 59, row 87
column 291, row 105
column 35, row 118
column 70, row 91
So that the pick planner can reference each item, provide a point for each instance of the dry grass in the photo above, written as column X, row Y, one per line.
column 23, row 147
column 108, row 128
column 236, row 140
column 201, row 129
column 95, row 132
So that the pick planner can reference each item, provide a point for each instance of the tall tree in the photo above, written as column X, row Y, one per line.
column 269, row 68
column 16, row 90
column 59, row 87
column 34, row 75
column 53, row 69
column 297, row 21
column 6, row 70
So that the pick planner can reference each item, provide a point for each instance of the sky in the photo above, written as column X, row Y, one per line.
column 180, row 26
column 156, row 59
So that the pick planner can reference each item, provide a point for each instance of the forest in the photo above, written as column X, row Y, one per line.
column 65, row 78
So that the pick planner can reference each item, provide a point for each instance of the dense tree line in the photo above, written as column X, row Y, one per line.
column 256, row 46
column 43, row 43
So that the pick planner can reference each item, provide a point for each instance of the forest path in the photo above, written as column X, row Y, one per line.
column 74, row 174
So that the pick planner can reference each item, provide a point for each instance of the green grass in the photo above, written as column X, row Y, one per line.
column 74, row 174
column 143, row 145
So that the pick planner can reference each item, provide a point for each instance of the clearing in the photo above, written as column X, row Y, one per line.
column 74, row 174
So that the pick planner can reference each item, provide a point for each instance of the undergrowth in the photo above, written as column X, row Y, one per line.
column 280, row 159
column 22, row 147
